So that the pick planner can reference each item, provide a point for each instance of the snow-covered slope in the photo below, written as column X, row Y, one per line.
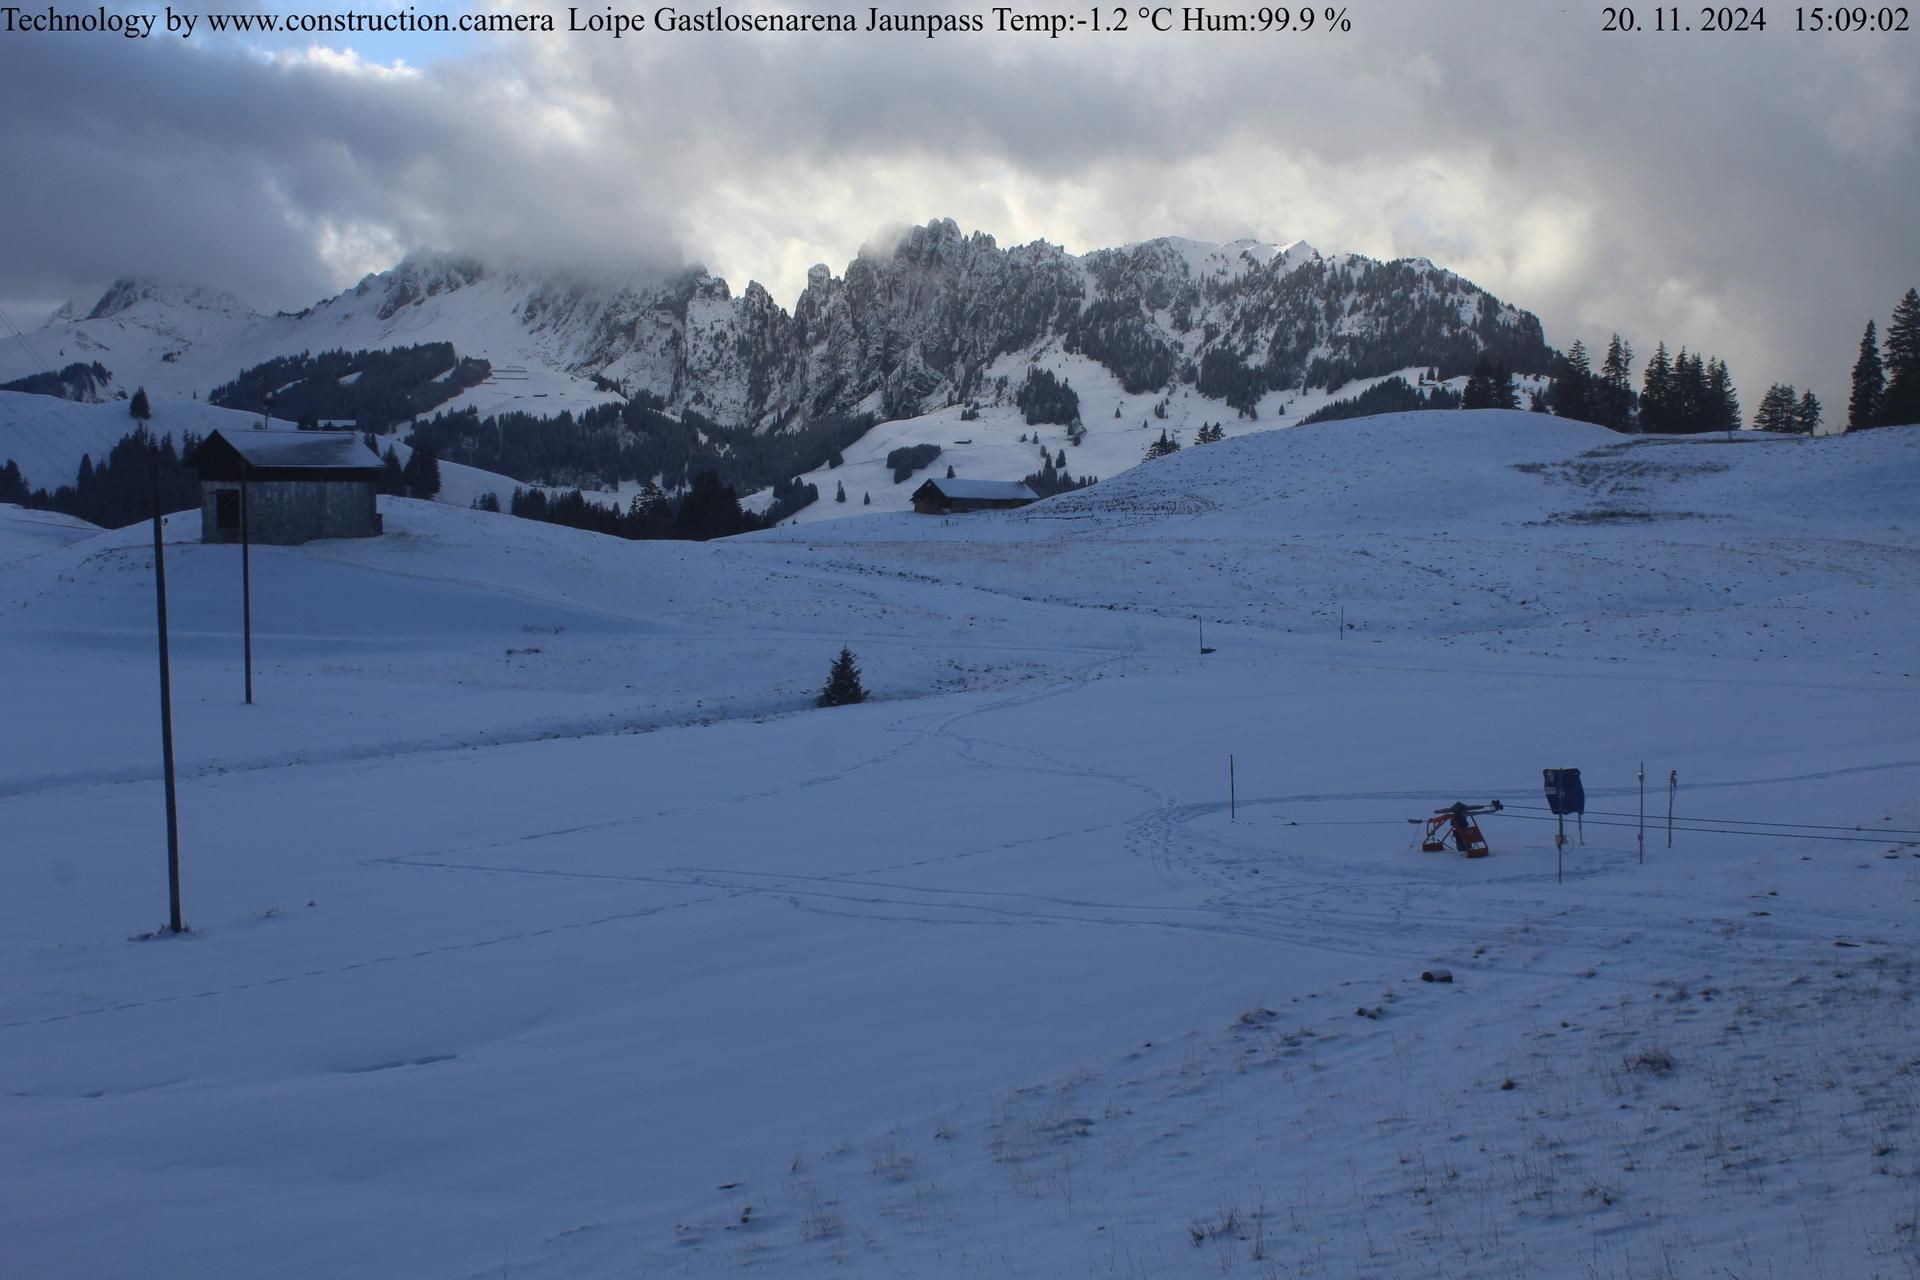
column 24, row 533
column 544, row 928
column 48, row 438
column 998, row 443
column 1498, row 529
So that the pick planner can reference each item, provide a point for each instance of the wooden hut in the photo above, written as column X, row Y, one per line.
column 298, row 485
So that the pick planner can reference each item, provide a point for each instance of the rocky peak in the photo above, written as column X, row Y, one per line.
column 131, row 291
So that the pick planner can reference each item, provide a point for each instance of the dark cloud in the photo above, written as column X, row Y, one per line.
column 1743, row 194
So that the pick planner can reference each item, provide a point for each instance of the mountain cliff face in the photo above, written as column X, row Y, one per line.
column 911, row 330
column 906, row 330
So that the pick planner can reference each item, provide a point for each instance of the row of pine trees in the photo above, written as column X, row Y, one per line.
column 1691, row 393
column 1887, row 392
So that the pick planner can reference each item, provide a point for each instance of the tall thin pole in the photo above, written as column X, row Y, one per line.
column 1673, row 785
column 246, row 556
column 1642, row 836
column 166, row 698
column 1233, row 792
column 246, row 582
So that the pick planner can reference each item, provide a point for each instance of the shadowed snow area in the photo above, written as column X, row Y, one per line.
column 544, row 928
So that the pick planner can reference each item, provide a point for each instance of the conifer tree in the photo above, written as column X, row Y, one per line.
column 1806, row 415
column 1656, row 393
column 142, row 409
column 867, row 500
column 1483, row 387
column 1571, row 395
column 843, row 686
column 1615, row 402
column 1723, row 402
column 1687, row 406
column 1869, row 384
column 1902, row 403
column 429, row 486
column 393, row 478
column 1162, row 447
column 840, row 493
column 1776, row 411
column 422, row 473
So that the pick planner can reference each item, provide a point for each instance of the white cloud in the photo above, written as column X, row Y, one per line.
column 1751, row 199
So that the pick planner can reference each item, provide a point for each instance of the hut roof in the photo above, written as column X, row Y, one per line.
column 986, row 490
column 282, row 450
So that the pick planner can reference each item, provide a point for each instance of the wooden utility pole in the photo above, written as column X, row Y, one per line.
column 246, row 582
column 166, row 696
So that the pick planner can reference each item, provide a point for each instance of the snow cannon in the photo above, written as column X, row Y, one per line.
column 1456, row 823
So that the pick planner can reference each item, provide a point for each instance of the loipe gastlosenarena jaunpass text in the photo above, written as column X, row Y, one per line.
column 619, row 23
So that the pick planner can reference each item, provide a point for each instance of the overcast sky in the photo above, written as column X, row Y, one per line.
column 1750, row 195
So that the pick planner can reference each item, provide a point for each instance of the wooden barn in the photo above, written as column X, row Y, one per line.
column 297, row 485
column 948, row 497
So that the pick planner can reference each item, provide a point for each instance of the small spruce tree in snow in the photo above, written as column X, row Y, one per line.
column 843, row 686
column 840, row 493
column 1162, row 447
column 866, row 500
column 950, row 471
column 139, row 408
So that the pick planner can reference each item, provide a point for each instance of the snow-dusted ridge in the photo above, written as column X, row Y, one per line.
column 901, row 333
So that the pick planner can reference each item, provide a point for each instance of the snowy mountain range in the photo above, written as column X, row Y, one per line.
column 903, row 331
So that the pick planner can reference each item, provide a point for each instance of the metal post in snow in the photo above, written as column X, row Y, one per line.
column 1233, row 793
column 1642, row 835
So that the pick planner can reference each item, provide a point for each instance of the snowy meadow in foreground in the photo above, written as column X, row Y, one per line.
column 542, row 927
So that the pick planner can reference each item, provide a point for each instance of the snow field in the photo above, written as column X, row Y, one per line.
column 504, row 967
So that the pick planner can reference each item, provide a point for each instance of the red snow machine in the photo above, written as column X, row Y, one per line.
column 1456, row 823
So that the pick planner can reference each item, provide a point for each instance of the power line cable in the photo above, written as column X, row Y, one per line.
column 20, row 337
column 1746, row 822
column 1783, row 835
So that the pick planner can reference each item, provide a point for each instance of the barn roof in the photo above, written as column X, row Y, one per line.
column 986, row 490
column 293, row 450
